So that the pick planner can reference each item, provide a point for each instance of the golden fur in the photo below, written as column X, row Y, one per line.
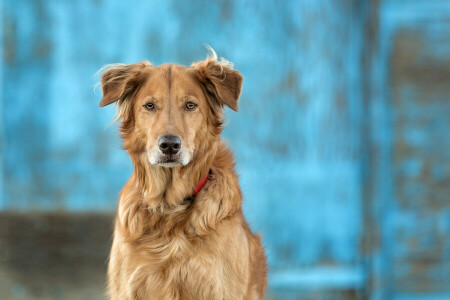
column 165, row 247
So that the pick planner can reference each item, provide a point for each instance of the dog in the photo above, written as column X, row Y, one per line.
column 179, row 231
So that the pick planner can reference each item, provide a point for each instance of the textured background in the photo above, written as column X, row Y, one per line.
column 342, row 138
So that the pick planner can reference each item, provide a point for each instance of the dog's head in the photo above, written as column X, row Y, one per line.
column 171, row 113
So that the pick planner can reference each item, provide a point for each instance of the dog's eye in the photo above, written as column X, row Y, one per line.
column 149, row 106
column 190, row 106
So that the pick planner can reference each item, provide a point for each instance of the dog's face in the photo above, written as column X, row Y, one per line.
column 172, row 110
column 171, row 113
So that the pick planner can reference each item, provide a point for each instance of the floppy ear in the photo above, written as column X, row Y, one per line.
column 120, row 81
column 220, row 80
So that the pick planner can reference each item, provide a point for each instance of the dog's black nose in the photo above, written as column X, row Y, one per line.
column 169, row 144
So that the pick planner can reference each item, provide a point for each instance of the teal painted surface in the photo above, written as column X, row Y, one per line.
column 317, row 137
column 419, row 211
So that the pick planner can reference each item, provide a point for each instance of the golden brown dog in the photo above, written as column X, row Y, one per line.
column 180, row 232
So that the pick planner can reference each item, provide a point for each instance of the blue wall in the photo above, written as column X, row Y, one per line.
column 330, row 100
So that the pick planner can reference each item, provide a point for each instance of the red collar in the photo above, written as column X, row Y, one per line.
column 201, row 184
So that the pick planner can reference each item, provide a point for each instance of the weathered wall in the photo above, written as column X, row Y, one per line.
column 419, row 79
column 340, row 139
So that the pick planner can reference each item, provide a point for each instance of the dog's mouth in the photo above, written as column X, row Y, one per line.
column 169, row 160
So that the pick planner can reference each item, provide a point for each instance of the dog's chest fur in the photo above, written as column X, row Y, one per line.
column 179, row 265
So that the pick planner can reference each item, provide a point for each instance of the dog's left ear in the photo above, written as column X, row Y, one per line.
column 220, row 80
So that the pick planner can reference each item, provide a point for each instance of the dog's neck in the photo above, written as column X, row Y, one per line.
column 153, row 194
column 162, row 187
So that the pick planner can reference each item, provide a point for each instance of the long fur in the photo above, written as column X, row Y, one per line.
column 165, row 247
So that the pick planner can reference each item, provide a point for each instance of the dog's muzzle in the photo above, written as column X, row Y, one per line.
column 169, row 152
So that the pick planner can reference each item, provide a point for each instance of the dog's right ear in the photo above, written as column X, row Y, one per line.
column 120, row 81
